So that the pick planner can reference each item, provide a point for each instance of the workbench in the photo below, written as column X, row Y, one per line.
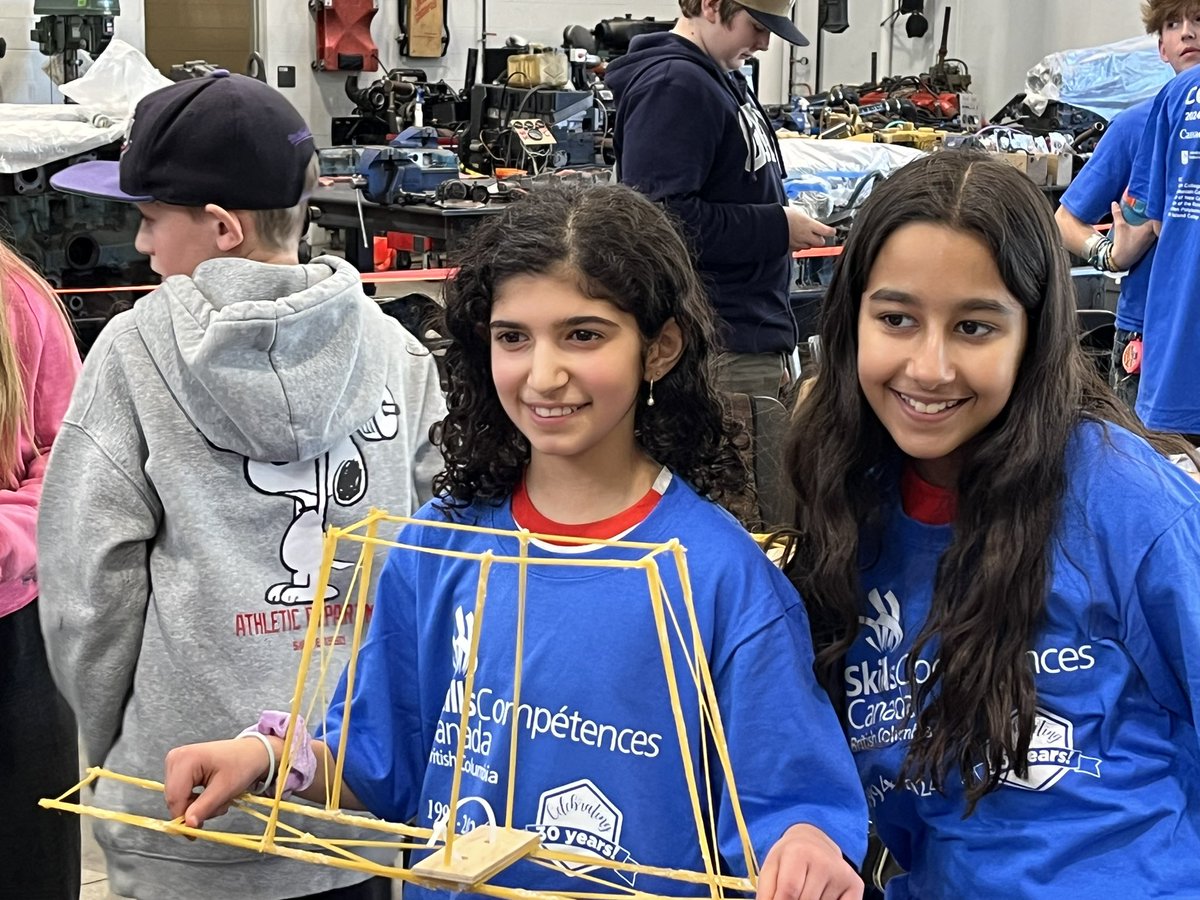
column 339, row 209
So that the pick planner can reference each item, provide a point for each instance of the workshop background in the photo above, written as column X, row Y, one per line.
column 999, row 40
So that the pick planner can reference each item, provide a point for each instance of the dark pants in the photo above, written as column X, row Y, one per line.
column 1124, row 385
column 371, row 889
column 39, row 848
column 756, row 374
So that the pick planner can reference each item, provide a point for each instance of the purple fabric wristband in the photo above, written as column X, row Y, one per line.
column 302, row 767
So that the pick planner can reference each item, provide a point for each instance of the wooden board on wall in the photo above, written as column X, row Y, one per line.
column 425, row 28
column 219, row 32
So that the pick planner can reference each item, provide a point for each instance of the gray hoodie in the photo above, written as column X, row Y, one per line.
column 214, row 432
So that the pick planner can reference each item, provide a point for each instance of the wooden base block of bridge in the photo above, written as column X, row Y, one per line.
column 478, row 855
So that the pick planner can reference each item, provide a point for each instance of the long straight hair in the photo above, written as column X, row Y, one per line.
column 990, row 584
column 15, row 419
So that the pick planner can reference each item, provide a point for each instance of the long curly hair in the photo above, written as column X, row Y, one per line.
column 621, row 248
column 991, row 582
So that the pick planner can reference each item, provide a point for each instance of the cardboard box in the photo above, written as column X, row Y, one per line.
column 425, row 29
column 1060, row 169
column 1035, row 165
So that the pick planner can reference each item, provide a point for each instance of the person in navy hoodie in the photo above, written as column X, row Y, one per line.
column 1015, row 651
column 580, row 404
column 691, row 135
column 1102, row 181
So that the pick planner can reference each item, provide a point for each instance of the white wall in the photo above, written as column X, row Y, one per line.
column 1086, row 23
column 999, row 40
column 1007, row 39
column 289, row 40
column 22, row 78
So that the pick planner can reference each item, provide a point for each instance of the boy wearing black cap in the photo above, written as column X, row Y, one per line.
column 217, row 429
column 690, row 134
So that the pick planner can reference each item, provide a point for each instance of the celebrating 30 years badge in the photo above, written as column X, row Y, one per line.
column 1052, row 755
column 578, row 818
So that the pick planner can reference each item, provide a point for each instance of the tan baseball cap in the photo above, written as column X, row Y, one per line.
column 776, row 17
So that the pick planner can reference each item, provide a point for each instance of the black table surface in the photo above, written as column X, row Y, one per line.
column 339, row 204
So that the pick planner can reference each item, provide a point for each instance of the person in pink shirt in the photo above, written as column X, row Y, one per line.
column 39, row 849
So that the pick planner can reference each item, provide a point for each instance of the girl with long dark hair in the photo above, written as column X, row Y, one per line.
column 1000, row 564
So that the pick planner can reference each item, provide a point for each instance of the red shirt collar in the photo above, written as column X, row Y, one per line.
column 527, row 516
column 926, row 503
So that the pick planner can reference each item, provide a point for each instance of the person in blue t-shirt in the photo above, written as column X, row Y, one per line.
column 581, row 403
column 1102, row 181
column 1162, row 201
column 1014, row 650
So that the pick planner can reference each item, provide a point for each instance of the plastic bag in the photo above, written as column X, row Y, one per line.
column 1105, row 80
column 117, row 80
column 813, row 194
column 33, row 135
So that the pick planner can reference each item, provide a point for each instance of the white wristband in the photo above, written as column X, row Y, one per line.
column 262, row 786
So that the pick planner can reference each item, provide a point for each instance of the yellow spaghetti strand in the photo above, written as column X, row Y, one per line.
column 710, row 692
column 660, row 624
column 518, row 669
column 360, row 613
column 314, row 625
column 460, row 755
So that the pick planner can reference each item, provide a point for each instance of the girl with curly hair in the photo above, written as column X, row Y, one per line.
column 581, row 405
column 999, row 562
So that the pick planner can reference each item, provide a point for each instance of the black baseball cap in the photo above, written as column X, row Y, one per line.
column 224, row 139
column 776, row 17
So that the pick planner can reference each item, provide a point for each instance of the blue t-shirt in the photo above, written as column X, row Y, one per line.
column 1165, row 185
column 1101, row 183
column 1111, row 803
column 599, row 763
